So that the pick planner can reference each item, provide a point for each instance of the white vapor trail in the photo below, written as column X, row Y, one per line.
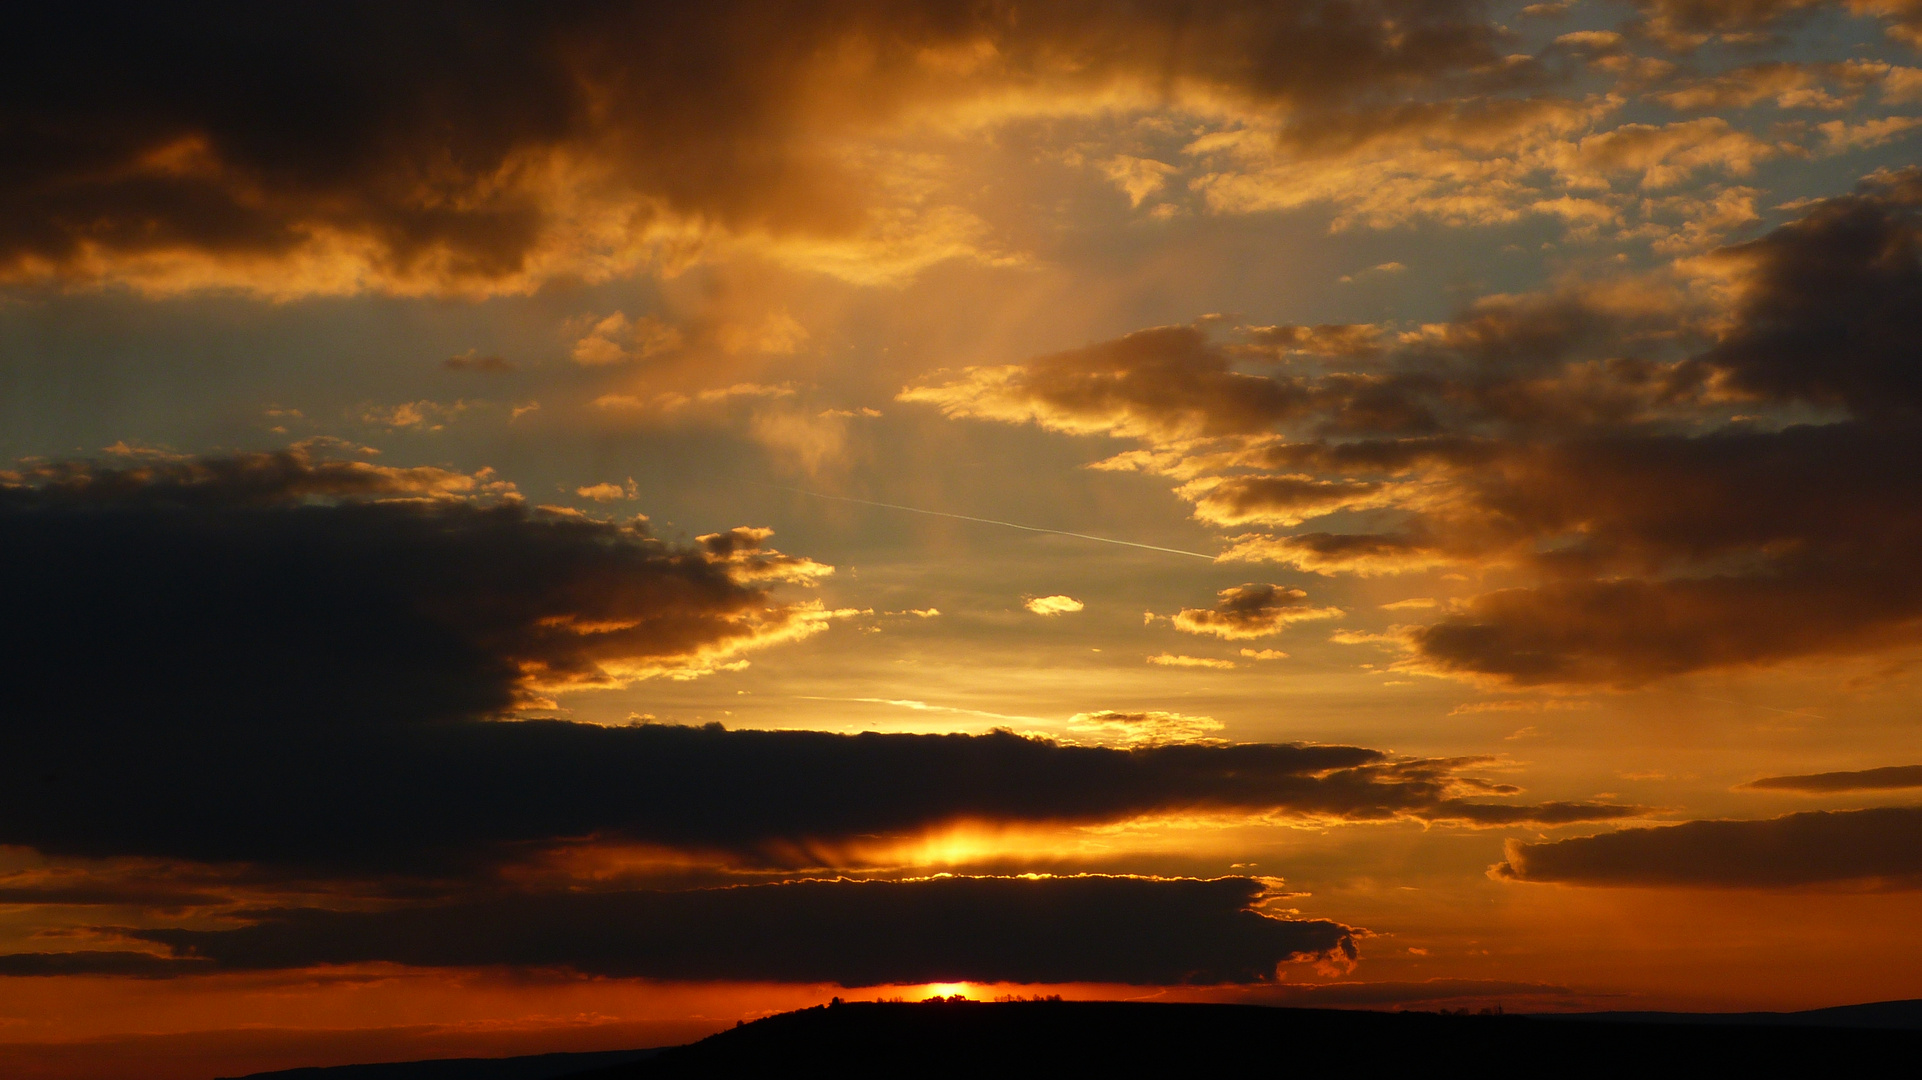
column 1008, row 524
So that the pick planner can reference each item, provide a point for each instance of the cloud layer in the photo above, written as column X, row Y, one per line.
column 1881, row 846
column 1708, row 466
column 448, row 149
column 1092, row 928
column 273, row 590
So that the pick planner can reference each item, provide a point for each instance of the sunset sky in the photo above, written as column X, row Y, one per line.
column 565, row 526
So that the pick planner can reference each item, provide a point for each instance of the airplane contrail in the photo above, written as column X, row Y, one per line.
column 1009, row 524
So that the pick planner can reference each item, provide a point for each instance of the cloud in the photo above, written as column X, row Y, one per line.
column 1278, row 500
column 1145, row 728
column 1164, row 383
column 1178, row 660
column 801, row 441
column 607, row 491
column 448, row 150
column 1787, row 84
column 616, row 339
column 1699, row 468
column 1327, row 339
column 1887, row 778
column 1881, row 846
column 280, row 588
column 1825, row 305
column 93, row 962
column 1148, row 931
column 1052, row 605
column 1137, row 177
column 415, row 415
column 1686, row 24
column 326, row 649
column 1250, row 611
column 428, row 799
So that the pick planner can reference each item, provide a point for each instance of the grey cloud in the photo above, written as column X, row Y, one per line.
column 1582, row 437
column 1156, row 931
column 427, row 137
column 1887, row 778
column 1881, row 846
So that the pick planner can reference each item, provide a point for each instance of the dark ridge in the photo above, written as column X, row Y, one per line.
column 531, row 1067
column 1889, row 1015
column 1088, row 1038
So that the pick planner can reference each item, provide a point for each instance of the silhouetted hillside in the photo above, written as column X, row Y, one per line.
column 1073, row 1038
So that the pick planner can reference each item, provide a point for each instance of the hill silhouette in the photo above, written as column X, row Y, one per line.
column 1080, row 1038
column 1070, row 1038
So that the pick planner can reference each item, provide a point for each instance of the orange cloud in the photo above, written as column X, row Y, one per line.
column 1251, row 611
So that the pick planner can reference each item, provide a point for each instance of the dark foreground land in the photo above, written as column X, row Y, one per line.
column 1088, row 1038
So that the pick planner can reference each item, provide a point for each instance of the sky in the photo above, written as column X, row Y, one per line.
column 536, row 527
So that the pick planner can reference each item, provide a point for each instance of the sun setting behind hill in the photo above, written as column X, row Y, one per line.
column 546, row 528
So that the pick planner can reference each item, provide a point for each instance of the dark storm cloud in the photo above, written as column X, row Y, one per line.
column 425, row 797
column 1156, row 931
column 1881, row 846
column 1581, row 437
column 1828, row 314
column 274, row 589
column 277, row 660
column 1887, row 778
column 445, row 145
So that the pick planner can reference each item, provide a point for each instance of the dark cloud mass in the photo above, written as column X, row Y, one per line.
column 1580, row 438
column 413, row 797
column 1875, row 846
column 855, row 933
column 1829, row 311
column 1887, row 778
column 272, row 590
column 453, row 146
column 277, row 660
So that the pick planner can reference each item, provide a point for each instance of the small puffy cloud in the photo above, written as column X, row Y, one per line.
column 744, row 552
column 415, row 415
column 616, row 339
column 1052, row 605
column 608, row 491
column 1339, row 340
column 1137, row 177
column 1178, row 660
column 1251, row 611
column 1264, row 654
column 1143, row 728
column 1381, row 268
